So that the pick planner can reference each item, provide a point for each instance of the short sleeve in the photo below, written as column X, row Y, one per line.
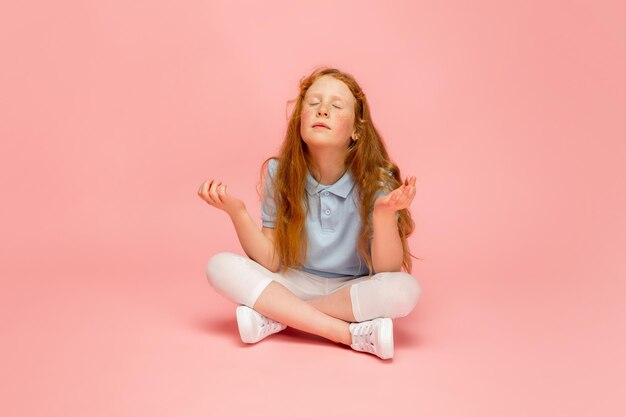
column 268, row 205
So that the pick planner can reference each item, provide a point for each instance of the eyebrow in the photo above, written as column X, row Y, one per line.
column 319, row 94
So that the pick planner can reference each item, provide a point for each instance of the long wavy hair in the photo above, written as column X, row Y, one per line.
column 368, row 162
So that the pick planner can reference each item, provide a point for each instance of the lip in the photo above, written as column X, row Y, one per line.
column 320, row 124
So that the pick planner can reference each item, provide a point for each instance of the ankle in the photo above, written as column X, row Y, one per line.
column 343, row 334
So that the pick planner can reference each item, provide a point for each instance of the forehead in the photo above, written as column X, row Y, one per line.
column 331, row 87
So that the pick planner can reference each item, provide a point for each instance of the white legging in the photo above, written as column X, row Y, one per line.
column 242, row 280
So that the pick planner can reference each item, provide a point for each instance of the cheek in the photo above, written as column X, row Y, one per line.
column 306, row 116
column 344, row 122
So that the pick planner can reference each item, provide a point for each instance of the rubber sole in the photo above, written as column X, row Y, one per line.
column 386, row 334
column 245, row 324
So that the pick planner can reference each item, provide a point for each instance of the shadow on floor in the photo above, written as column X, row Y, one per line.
column 403, row 332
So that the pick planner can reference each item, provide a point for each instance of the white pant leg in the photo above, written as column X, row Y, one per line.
column 386, row 294
column 242, row 280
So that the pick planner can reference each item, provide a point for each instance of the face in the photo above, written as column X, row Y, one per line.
column 328, row 101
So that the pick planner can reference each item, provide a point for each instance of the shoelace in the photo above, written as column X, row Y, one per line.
column 361, row 337
column 268, row 325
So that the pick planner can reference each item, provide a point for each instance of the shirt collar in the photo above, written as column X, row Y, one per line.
column 341, row 187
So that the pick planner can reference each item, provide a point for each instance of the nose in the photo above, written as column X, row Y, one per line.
column 321, row 111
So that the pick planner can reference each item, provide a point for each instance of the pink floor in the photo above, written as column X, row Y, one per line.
column 100, row 334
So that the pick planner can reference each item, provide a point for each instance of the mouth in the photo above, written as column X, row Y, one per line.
column 320, row 125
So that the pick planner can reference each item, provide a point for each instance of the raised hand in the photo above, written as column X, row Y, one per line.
column 398, row 199
column 214, row 193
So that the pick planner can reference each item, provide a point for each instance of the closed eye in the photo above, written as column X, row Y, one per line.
column 315, row 104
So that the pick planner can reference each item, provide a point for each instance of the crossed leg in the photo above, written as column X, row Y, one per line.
column 337, row 304
column 388, row 294
column 312, row 316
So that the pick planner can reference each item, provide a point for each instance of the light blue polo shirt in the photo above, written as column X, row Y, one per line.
column 333, row 224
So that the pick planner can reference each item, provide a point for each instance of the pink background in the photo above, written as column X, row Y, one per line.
column 510, row 116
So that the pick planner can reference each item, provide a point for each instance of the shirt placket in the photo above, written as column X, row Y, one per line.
column 326, row 211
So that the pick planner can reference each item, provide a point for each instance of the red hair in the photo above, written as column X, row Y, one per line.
column 368, row 162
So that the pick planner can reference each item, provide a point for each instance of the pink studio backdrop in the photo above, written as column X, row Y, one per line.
column 510, row 115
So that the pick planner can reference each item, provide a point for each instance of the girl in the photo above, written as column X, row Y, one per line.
column 335, row 221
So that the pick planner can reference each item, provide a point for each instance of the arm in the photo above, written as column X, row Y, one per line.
column 257, row 244
column 386, row 245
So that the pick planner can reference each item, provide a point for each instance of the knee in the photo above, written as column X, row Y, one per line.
column 218, row 264
column 404, row 293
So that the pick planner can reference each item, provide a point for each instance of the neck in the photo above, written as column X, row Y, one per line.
column 327, row 166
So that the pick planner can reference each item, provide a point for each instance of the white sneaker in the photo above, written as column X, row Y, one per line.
column 254, row 326
column 373, row 336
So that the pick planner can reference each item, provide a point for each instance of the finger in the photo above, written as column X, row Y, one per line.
column 213, row 192
column 206, row 189
column 411, row 196
column 221, row 192
column 212, row 186
column 409, row 191
column 201, row 187
column 203, row 190
column 207, row 186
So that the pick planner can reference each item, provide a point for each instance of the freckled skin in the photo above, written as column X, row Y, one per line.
column 320, row 106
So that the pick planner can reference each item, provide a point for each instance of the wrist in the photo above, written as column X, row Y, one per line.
column 237, row 212
column 384, row 212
